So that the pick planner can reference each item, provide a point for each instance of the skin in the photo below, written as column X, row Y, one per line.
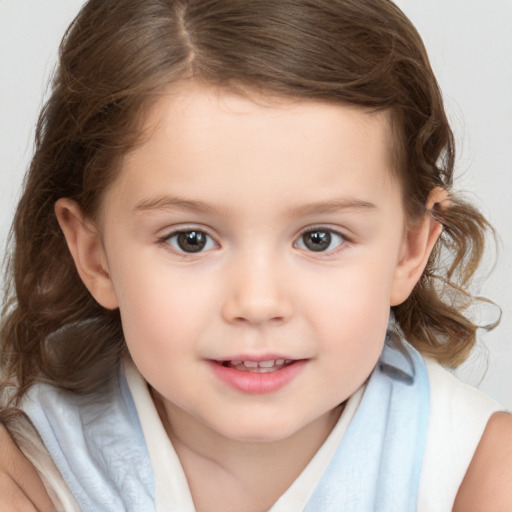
column 22, row 489
column 219, row 164
column 487, row 484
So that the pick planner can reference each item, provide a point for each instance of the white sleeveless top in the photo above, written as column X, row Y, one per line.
column 458, row 415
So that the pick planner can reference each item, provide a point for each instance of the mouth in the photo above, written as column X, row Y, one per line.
column 250, row 366
column 257, row 375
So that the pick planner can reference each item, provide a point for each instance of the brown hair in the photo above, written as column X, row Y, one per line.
column 115, row 59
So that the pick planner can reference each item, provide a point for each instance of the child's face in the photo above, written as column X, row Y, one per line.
column 246, row 231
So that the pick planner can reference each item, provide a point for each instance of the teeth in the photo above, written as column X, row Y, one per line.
column 258, row 366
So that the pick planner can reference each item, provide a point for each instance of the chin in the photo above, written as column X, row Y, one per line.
column 252, row 431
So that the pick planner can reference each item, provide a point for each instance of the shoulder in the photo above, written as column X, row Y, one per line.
column 457, row 408
column 21, row 486
column 487, row 484
column 458, row 413
column 447, row 390
column 458, row 417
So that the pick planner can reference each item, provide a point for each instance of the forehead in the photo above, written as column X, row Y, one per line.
column 204, row 105
column 218, row 140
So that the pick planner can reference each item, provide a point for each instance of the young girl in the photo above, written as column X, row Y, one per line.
column 238, row 265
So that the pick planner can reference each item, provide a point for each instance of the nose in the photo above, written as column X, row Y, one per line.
column 257, row 292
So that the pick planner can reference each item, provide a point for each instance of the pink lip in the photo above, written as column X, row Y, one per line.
column 255, row 357
column 257, row 383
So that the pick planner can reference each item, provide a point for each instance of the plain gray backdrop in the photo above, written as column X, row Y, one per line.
column 470, row 46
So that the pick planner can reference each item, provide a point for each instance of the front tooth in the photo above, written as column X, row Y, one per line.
column 250, row 364
column 266, row 364
column 279, row 362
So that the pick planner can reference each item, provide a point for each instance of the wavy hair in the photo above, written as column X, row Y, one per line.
column 114, row 61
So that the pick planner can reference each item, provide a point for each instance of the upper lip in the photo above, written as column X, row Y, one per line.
column 255, row 357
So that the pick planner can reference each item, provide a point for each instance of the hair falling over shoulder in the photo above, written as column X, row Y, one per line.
column 119, row 55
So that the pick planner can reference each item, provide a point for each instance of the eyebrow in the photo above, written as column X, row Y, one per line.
column 332, row 206
column 167, row 202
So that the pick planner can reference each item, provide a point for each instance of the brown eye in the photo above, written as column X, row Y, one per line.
column 317, row 240
column 320, row 240
column 190, row 241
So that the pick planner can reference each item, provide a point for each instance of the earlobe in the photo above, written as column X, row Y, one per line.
column 418, row 245
column 86, row 248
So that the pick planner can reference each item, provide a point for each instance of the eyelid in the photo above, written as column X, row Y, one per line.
column 343, row 232
column 181, row 228
column 345, row 239
column 177, row 230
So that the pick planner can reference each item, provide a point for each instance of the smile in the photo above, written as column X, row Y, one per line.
column 257, row 377
column 271, row 365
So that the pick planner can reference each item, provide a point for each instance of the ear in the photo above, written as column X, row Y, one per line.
column 418, row 244
column 84, row 243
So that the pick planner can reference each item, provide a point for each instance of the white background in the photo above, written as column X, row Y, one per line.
column 470, row 45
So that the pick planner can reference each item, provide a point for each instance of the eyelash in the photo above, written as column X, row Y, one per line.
column 166, row 241
column 343, row 240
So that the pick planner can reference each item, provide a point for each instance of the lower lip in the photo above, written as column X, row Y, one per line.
column 257, row 383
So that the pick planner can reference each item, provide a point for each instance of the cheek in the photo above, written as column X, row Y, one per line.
column 161, row 309
column 352, row 314
column 353, row 339
column 353, row 292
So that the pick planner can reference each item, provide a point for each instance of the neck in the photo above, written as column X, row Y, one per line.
column 230, row 475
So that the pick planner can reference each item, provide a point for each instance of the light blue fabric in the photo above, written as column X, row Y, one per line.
column 98, row 445
column 378, row 463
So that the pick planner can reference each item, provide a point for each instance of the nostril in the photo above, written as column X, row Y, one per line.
column 255, row 320
column 256, row 301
